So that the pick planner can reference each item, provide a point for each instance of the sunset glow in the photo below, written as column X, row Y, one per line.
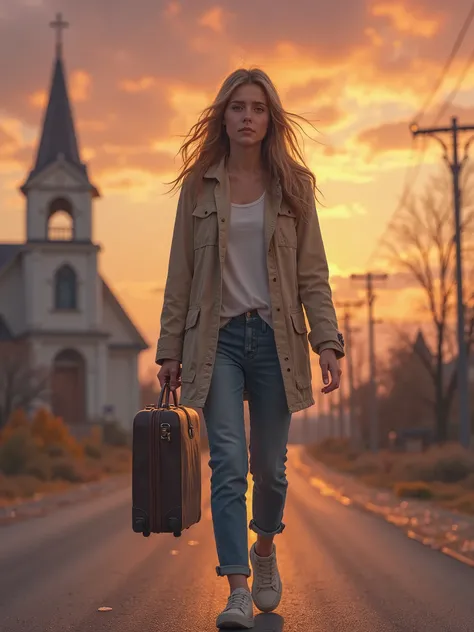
column 139, row 74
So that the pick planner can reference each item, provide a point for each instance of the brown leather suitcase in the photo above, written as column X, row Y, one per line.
column 166, row 468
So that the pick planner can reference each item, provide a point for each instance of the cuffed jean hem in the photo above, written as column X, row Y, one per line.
column 233, row 569
column 254, row 527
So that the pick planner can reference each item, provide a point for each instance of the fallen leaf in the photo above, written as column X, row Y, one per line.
column 104, row 609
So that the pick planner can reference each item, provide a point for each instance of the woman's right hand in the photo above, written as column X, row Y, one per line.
column 170, row 372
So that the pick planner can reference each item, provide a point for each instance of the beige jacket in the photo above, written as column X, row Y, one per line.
column 298, row 276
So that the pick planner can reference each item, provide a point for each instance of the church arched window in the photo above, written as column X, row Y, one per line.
column 65, row 288
column 60, row 220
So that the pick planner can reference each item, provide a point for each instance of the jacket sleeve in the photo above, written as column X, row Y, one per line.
column 178, row 283
column 313, row 285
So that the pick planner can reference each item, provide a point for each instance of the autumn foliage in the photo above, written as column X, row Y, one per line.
column 42, row 449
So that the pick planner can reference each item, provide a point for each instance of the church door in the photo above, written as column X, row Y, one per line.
column 68, row 387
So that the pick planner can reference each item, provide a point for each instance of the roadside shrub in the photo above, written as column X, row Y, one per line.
column 18, row 419
column 17, row 451
column 66, row 471
column 40, row 467
column 114, row 435
column 468, row 482
column 12, row 487
column 415, row 489
column 92, row 451
column 51, row 431
column 452, row 469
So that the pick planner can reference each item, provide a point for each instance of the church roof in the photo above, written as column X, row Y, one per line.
column 140, row 341
column 8, row 252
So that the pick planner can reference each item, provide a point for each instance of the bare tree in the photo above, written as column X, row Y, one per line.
column 21, row 384
column 420, row 242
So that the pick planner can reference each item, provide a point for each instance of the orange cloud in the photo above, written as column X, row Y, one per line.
column 173, row 9
column 80, row 85
column 386, row 137
column 343, row 211
column 38, row 99
column 7, row 142
column 406, row 20
column 138, row 85
column 213, row 19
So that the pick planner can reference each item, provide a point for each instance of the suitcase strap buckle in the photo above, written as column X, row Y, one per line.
column 165, row 433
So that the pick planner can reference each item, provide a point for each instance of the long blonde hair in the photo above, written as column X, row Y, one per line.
column 207, row 143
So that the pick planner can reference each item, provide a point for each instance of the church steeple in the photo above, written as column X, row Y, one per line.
column 58, row 136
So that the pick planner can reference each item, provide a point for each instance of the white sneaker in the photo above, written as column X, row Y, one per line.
column 238, row 614
column 266, row 587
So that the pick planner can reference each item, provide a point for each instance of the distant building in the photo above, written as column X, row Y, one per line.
column 52, row 296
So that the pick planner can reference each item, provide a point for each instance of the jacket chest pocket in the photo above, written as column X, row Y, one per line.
column 286, row 227
column 205, row 226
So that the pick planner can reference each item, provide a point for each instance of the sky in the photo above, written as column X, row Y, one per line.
column 140, row 73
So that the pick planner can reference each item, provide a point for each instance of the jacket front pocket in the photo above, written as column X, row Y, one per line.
column 205, row 226
column 191, row 336
column 301, row 359
column 286, row 227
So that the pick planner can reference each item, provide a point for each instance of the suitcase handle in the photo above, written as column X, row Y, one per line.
column 165, row 393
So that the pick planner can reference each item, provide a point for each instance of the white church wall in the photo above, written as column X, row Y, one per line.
column 41, row 265
column 12, row 298
column 114, row 324
column 123, row 387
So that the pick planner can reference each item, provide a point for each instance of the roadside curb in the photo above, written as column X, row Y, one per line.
column 401, row 522
column 42, row 504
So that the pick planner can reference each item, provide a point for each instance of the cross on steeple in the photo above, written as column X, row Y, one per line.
column 59, row 25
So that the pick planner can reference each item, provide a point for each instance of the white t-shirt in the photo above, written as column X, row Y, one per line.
column 245, row 275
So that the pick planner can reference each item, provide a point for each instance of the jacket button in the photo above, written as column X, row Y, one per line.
column 278, row 309
column 274, row 278
column 288, row 370
column 286, row 360
column 223, row 219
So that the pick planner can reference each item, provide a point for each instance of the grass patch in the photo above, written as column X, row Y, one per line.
column 444, row 474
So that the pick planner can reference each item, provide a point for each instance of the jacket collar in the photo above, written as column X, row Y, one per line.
column 218, row 172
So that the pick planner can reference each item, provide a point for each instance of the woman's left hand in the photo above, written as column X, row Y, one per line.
column 329, row 364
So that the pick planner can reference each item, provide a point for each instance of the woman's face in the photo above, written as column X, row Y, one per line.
column 246, row 116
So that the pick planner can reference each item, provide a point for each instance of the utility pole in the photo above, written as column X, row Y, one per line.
column 348, row 331
column 341, row 414
column 456, row 167
column 306, row 437
column 369, row 279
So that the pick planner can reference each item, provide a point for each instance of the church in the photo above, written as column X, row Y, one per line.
column 52, row 295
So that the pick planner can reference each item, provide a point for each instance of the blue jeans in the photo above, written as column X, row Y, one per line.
column 246, row 357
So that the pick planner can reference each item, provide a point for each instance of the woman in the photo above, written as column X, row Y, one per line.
column 246, row 255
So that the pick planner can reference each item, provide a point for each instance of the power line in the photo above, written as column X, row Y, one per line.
column 408, row 184
column 449, row 61
column 455, row 90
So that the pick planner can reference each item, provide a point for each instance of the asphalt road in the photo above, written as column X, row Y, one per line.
column 343, row 571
